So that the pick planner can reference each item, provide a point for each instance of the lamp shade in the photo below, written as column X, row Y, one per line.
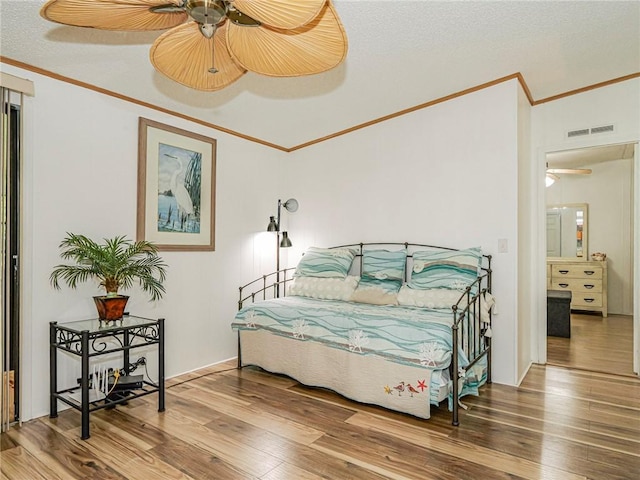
column 285, row 242
column 291, row 205
column 273, row 226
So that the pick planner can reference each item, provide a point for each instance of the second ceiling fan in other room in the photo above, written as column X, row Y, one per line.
column 552, row 173
column 571, row 171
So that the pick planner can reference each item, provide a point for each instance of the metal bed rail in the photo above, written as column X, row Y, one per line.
column 267, row 286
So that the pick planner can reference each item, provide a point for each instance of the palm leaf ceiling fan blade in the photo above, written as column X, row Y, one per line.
column 186, row 56
column 115, row 14
column 314, row 48
column 284, row 14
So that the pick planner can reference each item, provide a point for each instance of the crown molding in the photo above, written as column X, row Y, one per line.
column 517, row 76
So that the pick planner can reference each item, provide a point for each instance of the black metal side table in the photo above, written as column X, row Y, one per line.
column 91, row 338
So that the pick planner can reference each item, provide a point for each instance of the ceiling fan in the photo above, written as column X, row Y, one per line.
column 552, row 173
column 212, row 43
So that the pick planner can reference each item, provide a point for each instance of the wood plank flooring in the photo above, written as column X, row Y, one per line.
column 228, row 424
column 597, row 344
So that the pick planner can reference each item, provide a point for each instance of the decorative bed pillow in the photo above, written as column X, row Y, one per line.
column 324, row 288
column 377, row 292
column 455, row 269
column 384, row 264
column 429, row 298
column 325, row 262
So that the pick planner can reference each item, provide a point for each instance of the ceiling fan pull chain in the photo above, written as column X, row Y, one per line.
column 213, row 68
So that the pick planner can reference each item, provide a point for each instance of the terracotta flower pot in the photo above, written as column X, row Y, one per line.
column 111, row 308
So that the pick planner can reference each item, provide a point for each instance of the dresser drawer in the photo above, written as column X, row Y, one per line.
column 575, row 271
column 586, row 301
column 577, row 284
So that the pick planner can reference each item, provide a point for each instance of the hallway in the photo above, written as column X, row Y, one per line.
column 597, row 344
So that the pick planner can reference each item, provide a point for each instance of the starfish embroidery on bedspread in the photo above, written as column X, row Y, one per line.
column 299, row 328
column 387, row 390
column 357, row 340
column 429, row 354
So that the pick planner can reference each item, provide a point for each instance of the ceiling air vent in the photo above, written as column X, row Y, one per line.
column 577, row 133
column 589, row 131
column 605, row 128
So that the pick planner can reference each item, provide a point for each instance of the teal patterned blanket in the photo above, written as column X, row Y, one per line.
column 406, row 335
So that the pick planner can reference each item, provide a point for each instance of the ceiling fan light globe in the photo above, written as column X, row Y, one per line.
column 549, row 180
column 207, row 29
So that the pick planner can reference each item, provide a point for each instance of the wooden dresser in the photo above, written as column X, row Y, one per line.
column 587, row 282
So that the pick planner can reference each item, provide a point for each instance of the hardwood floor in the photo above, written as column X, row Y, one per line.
column 597, row 344
column 223, row 424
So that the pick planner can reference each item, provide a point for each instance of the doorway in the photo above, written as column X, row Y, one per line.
column 602, row 178
column 10, row 334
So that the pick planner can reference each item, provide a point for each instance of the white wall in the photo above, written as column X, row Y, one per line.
column 617, row 104
column 526, row 243
column 80, row 175
column 445, row 175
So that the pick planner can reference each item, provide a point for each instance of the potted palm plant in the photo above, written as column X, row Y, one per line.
column 117, row 264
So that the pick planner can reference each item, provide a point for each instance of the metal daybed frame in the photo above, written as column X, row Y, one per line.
column 469, row 331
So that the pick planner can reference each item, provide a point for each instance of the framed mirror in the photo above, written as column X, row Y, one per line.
column 567, row 232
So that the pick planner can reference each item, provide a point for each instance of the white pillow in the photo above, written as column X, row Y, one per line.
column 429, row 298
column 324, row 288
column 443, row 298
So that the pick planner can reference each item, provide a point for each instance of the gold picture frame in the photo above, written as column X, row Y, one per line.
column 176, row 188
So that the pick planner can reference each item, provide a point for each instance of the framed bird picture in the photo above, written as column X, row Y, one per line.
column 176, row 187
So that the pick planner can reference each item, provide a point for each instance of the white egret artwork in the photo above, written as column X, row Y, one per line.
column 179, row 182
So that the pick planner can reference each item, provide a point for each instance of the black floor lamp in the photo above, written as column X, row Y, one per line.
column 291, row 206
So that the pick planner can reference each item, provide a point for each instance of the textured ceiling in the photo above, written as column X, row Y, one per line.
column 401, row 54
